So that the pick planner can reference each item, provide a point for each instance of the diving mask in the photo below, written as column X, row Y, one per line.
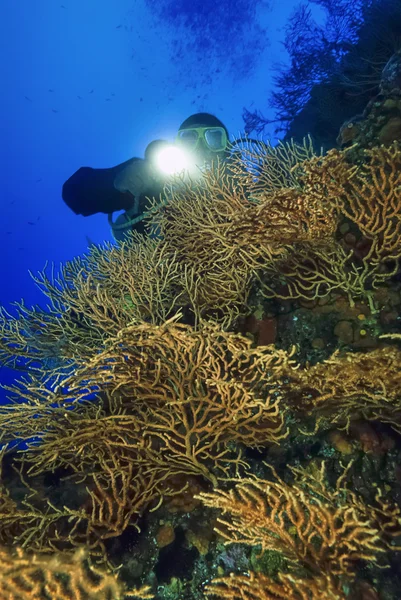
column 214, row 138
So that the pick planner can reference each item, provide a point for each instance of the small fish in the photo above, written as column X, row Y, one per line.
column 37, row 180
column 62, row 6
column 79, row 97
column 30, row 223
column 8, row 232
column 49, row 90
column 118, row 26
column 108, row 99
column 54, row 110
column 91, row 92
column 27, row 98
column 112, row 94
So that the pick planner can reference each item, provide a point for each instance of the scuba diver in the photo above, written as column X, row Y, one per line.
column 201, row 139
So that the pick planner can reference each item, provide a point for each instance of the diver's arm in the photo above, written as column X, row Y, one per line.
column 131, row 179
column 89, row 191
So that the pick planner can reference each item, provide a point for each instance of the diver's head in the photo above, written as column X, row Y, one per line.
column 204, row 136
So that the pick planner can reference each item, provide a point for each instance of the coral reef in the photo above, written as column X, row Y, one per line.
column 337, row 66
column 159, row 441
column 24, row 575
column 321, row 533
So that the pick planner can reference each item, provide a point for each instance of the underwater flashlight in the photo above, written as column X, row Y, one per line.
column 172, row 160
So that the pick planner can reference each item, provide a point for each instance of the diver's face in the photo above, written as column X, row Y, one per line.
column 204, row 144
column 203, row 155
